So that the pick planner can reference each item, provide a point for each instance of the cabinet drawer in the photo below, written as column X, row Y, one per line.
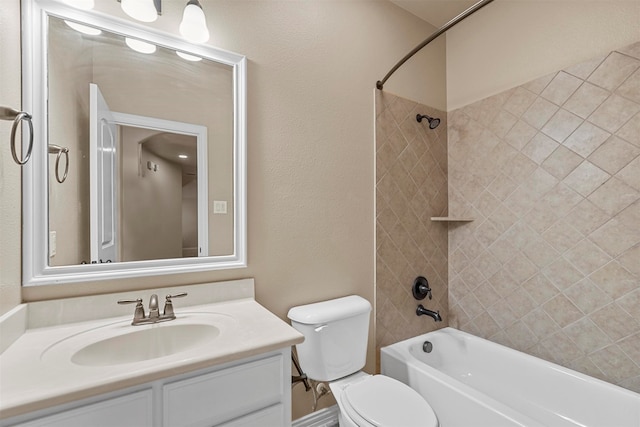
column 225, row 394
column 133, row 409
column 272, row 416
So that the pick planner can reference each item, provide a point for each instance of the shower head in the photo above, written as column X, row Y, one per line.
column 433, row 122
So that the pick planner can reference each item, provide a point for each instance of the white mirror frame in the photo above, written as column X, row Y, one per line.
column 35, row 268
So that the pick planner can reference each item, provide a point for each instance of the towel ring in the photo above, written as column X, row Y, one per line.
column 17, row 117
column 56, row 149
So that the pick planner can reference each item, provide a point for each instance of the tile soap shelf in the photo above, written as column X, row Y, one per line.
column 450, row 219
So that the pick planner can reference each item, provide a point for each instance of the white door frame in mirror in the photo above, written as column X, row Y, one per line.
column 35, row 268
column 200, row 134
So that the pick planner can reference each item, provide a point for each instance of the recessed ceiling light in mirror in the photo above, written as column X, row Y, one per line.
column 140, row 46
column 188, row 57
column 84, row 29
column 183, row 156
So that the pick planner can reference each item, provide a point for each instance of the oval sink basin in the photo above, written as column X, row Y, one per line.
column 145, row 344
column 110, row 343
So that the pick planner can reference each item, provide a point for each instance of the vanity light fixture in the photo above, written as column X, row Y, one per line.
column 81, row 4
column 140, row 46
column 188, row 57
column 141, row 10
column 84, row 29
column 194, row 24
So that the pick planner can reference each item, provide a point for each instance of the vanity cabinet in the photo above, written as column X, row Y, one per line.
column 249, row 392
column 131, row 409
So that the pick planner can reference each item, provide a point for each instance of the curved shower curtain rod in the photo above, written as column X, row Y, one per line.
column 479, row 5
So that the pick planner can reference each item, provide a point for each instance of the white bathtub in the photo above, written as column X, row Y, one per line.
column 472, row 382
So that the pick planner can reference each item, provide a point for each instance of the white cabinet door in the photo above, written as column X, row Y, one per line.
column 135, row 409
column 245, row 393
column 272, row 416
column 226, row 394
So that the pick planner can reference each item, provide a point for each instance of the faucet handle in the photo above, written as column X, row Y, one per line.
column 180, row 295
column 168, row 305
column 138, row 314
column 421, row 289
column 130, row 301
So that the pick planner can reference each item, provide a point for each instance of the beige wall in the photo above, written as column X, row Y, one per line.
column 549, row 171
column 9, row 172
column 151, row 209
column 411, row 187
column 508, row 43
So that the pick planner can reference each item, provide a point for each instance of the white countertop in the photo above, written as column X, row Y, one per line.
column 30, row 382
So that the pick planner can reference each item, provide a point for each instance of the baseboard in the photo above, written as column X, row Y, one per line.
column 327, row 417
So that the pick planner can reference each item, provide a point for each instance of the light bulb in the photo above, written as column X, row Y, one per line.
column 81, row 4
column 83, row 28
column 194, row 24
column 142, row 10
column 188, row 57
column 140, row 46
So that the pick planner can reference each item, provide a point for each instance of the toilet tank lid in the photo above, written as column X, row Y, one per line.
column 328, row 311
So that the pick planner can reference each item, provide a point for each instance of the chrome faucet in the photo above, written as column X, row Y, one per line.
column 434, row 314
column 139, row 317
column 154, row 312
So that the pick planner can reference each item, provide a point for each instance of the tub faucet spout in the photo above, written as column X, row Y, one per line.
column 433, row 314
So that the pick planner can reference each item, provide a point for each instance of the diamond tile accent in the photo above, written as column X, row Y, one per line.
column 587, row 296
column 613, row 196
column 539, row 148
column 561, row 162
column 613, row 71
column 614, row 154
column 539, row 113
column 586, row 178
column 613, row 113
column 519, row 101
column 584, row 69
column 630, row 174
column 561, row 88
column 586, row 99
column 586, row 139
column 631, row 88
column 631, row 131
column 557, row 240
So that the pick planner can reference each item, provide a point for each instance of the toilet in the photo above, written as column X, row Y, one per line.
column 334, row 350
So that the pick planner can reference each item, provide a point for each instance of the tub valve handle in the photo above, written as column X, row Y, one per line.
column 421, row 288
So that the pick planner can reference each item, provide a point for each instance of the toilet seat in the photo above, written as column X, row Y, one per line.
column 385, row 402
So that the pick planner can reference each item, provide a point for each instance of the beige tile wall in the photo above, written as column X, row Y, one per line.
column 551, row 172
column 411, row 187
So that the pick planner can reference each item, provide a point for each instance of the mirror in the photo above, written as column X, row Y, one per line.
column 155, row 179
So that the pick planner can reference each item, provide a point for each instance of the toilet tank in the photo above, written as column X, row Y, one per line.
column 335, row 336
